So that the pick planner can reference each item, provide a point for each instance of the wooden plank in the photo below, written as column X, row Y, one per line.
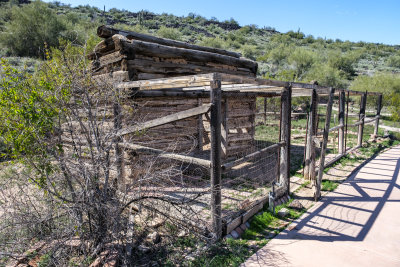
column 106, row 32
column 162, row 154
column 215, row 156
column 317, row 183
column 167, row 119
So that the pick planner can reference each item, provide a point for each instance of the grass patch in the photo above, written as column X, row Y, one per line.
column 328, row 185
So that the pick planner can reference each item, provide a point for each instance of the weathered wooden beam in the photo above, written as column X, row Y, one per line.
column 309, row 162
column 165, row 120
column 215, row 155
column 336, row 128
column 133, row 47
column 162, row 154
column 317, row 183
column 378, row 113
column 284, row 168
column 106, row 32
column 229, row 165
column 362, row 119
column 119, row 154
column 342, row 101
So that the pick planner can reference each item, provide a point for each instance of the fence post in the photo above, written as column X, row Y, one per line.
column 362, row 119
column 284, row 166
column 265, row 110
column 342, row 97
column 378, row 113
column 215, row 156
column 119, row 153
column 317, row 184
column 309, row 163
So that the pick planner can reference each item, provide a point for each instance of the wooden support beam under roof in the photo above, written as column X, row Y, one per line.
column 231, row 83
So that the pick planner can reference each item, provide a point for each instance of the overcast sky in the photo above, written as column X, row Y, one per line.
column 354, row 20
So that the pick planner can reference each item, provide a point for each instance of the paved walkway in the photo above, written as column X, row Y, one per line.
column 357, row 225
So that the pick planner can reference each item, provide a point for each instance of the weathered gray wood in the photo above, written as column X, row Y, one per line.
column 229, row 165
column 378, row 113
column 362, row 119
column 286, row 104
column 337, row 127
column 317, row 184
column 200, row 127
column 309, row 163
column 165, row 120
column 215, row 123
column 130, row 48
column 342, row 98
column 105, row 32
column 186, row 68
column 162, row 154
column 119, row 154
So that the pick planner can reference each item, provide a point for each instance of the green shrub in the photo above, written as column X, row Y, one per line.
column 32, row 27
column 169, row 33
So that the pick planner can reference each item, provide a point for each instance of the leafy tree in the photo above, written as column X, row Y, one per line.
column 32, row 27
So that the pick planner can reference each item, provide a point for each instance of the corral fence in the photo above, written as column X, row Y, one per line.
column 206, row 150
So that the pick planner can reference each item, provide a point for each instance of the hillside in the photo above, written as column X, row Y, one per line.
column 292, row 56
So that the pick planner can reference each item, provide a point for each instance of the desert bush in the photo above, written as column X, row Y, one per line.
column 169, row 33
column 386, row 83
column 32, row 27
column 302, row 59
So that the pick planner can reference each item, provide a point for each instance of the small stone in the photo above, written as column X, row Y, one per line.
column 228, row 236
column 239, row 230
column 247, row 224
column 182, row 233
column 296, row 204
column 283, row 212
column 154, row 237
column 156, row 223
column 143, row 249
column 235, row 234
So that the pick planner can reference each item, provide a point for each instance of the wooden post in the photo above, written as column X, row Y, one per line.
column 309, row 163
column 378, row 112
column 342, row 99
column 265, row 110
column 361, row 118
column 200, row 127
column 215, row 157
column 286, row 103
column 119, row 153
column 317, row 184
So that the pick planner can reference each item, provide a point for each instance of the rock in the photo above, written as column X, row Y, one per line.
column 283, row 212
column 182, row 233
column 239, row 230
column 154, row 237
column 156, row 223
column 143, row 249
column 228, row 236
column 296, row 204
column 235, row 234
